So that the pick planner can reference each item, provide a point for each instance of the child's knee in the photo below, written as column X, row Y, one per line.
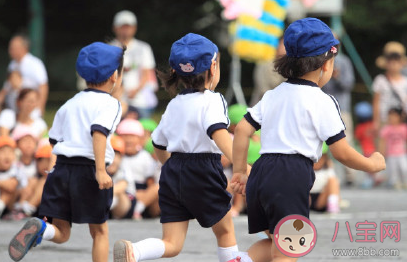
column 98, row 230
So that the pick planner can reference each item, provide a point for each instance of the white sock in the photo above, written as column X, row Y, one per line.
column 49, row 232
column 114, row 202
column 28, row 209
column 140, row 207
column 227, row 253
column 148, row 249
column 333, row 203
column 2, row 206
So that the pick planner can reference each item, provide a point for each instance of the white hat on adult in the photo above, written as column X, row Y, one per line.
column 124, row 17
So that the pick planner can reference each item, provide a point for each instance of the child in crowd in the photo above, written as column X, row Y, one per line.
column 8, row 173
column 27, row 102
column 79, row 190
column 324, row 193
column 295, row 119
column 365, row 131
column 28, row 204
column 393, row 146
column 139, row 165
column 194, row 131
column 26, row 165
column 124, row 194
column 10, row 91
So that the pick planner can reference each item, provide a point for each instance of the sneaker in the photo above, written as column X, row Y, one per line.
column 29, row 236
column 123, row 251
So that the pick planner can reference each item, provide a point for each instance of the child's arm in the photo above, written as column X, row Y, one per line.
column 382, row 146
column 162, row 155
column 99, row 149
column 348, row 156
column 244, row 130
column 9, row 185
column 224, row 142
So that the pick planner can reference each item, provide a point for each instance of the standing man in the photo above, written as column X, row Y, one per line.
column 31, row 69
column 139, row 80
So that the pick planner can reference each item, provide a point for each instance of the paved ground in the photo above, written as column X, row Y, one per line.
column 373, row 205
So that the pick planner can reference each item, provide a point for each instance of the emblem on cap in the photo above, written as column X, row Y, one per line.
column 187, row 68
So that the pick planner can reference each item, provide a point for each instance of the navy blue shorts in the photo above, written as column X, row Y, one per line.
column 72, row 193
column 193, row 186
column 279, row 185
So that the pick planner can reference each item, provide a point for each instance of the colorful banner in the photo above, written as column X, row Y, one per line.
column 256, row 39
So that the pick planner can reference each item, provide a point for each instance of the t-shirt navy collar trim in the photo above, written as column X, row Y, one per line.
column 299, row 81
column 95, row 90
column 189, row 91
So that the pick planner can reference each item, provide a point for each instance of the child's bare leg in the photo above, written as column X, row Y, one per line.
column 174, row 235
column 35, row 200
column 277, row 256
column 261, row 250
column 62, row 231
column 123, row 205
column 100, row 235
column 238, row 204
column 149, row 195
column 225, row 234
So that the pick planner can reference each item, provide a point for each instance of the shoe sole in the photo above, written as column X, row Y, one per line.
column 24, row 239
column 123, row 251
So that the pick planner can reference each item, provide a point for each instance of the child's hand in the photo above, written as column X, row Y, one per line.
column 104, row 180
column 378, row 162
column 238, row 183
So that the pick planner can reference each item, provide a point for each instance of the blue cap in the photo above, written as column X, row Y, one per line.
column 308, row 37
column 98, row 61
column 192, row 54
column 363, row 110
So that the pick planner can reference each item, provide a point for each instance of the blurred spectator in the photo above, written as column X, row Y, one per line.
column 324, row 193
column 28, row 203
column 139, row 79
column 393, row 146
column 390, row 88
column 26, row 104
column 340, row 86
column 124, row 195
column 265, row 77
column 11, row 89
column 8, row 173
column 364, row 131
column 32, row 70
column 141, row 167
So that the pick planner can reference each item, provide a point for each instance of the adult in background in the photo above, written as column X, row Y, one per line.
column 31, row 69
column 390, row 88
column 139, row 80
column 340, row 86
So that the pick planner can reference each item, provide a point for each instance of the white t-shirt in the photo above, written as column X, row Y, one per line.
column 32, row 70
column 296, row 118
column 11, row 173
column 8, row 120
column 89, row 110
column 189, row 121
column 121, row 175
column 138, row 56
column 25, row 172
column 388, row 99
column 140, row 166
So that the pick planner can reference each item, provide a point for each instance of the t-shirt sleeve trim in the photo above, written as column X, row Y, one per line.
column 53, row 141
column 158, row 146
column 251, row 121
column 215, row 127
column 100, row 129
column 335, row 138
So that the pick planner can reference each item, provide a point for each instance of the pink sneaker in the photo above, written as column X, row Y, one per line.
column 237, row 259
column 123, row 251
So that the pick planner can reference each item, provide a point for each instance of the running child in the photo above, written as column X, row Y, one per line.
column 295, row 119
column 78, row 189
column 189, row 139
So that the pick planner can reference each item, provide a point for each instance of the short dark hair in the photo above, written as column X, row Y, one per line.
column 119, row 70
column 172, row 82
column 396, row 110
column 294, row 67
column 24, row 92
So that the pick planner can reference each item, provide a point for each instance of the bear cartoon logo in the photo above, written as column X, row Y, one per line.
column 295, row 236
column 187, row 68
